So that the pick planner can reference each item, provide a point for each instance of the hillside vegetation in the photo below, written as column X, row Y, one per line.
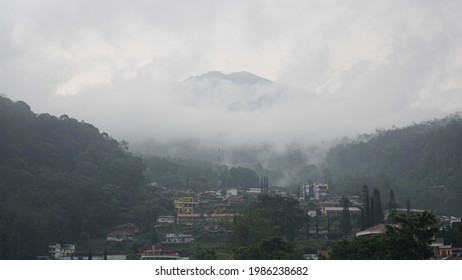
column 62, row 180
column 421, row 161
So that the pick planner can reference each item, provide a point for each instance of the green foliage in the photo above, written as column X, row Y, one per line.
column 242, row 177
column 267, row 218
column 204, row 254
column 346, row 220
column 271, row 249
column 62, row 180
column 197, row 175
column 421, row 161
column 377, row 213
column 410, row 240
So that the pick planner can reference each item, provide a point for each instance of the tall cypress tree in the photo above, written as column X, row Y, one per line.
column 371, row 213
column 346, row 221
column 391, row 207
column 366, row 207
column 307, row 221
column 317, row 227
column 378, row 210
column 408, row 205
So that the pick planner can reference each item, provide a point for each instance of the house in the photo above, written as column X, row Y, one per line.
column 310, row 257
column 166, row 220
column 58, row 251
column 185, row 205
column 254, row 190
column 217, row 232
column 279, row 191
column 440, row 250
column 190, row 219
column 316, row 191
column 230, row 192
column 332, row 210
column 130, row 228
column 119, row 236
column 173, row 238
column 159, row 254
column 221, row 218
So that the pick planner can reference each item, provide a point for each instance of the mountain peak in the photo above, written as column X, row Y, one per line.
column 241, row 77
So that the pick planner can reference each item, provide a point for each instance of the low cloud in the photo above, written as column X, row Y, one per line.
column 339, row 68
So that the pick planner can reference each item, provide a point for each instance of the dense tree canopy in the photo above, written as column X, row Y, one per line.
column 423, row 161
column 267, row 218
column 198, row 175
column 60, row 180
column 409, row 241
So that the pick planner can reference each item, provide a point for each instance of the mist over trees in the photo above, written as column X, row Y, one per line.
column 189, row 174
column 422, row 161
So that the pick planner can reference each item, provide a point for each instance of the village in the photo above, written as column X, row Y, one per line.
column 204, row 221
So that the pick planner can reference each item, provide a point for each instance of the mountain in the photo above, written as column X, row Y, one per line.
column 422, row 161
column 234, row 92
column 242, row 78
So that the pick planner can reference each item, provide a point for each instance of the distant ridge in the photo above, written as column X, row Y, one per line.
column 242, row 77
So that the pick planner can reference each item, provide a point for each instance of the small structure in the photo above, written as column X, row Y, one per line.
column 190, row 219
column 331, row 210
column 173, row 238
column 130, row 228
column 254, row 190
column 166, row 220
column 119, row 236
column 221, row 218
column 440, row 250
column 314, row 190
column 377, row 229
column 310, row 257
column 58, row 251
column 123, row 232
column 159, row 254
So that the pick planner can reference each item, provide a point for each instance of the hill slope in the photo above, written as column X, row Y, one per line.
column 61, row 181
column 422, row 161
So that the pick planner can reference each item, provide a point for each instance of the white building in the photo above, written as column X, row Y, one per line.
column 58, row 251
column 319, row 190
column 173, row 238
column 166, row 220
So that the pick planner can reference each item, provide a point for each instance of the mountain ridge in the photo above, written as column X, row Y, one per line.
column 241, row 77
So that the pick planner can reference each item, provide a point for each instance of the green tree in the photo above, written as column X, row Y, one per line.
column 345, row 224
column 366, row 212
column 266, row 218
column 204, row 254
column 377, row 208
column 270, row 249
column 391, row 207
column 410, row 240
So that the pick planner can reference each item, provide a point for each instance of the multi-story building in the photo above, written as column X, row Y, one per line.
column 185, row 205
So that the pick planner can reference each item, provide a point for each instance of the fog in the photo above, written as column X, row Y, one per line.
column 327, row 69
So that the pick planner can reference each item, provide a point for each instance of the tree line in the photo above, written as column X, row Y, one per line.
column 64, row 181
column 421, row 161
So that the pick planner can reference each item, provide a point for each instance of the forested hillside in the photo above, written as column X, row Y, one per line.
column 188, row 174
column 62, row 180
column 421, row 161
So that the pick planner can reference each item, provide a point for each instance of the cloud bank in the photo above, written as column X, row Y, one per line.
column 340, row 67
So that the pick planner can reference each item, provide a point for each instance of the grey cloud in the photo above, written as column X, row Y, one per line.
column 342, row 67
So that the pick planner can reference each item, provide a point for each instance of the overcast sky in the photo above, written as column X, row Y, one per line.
column 342, row 67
